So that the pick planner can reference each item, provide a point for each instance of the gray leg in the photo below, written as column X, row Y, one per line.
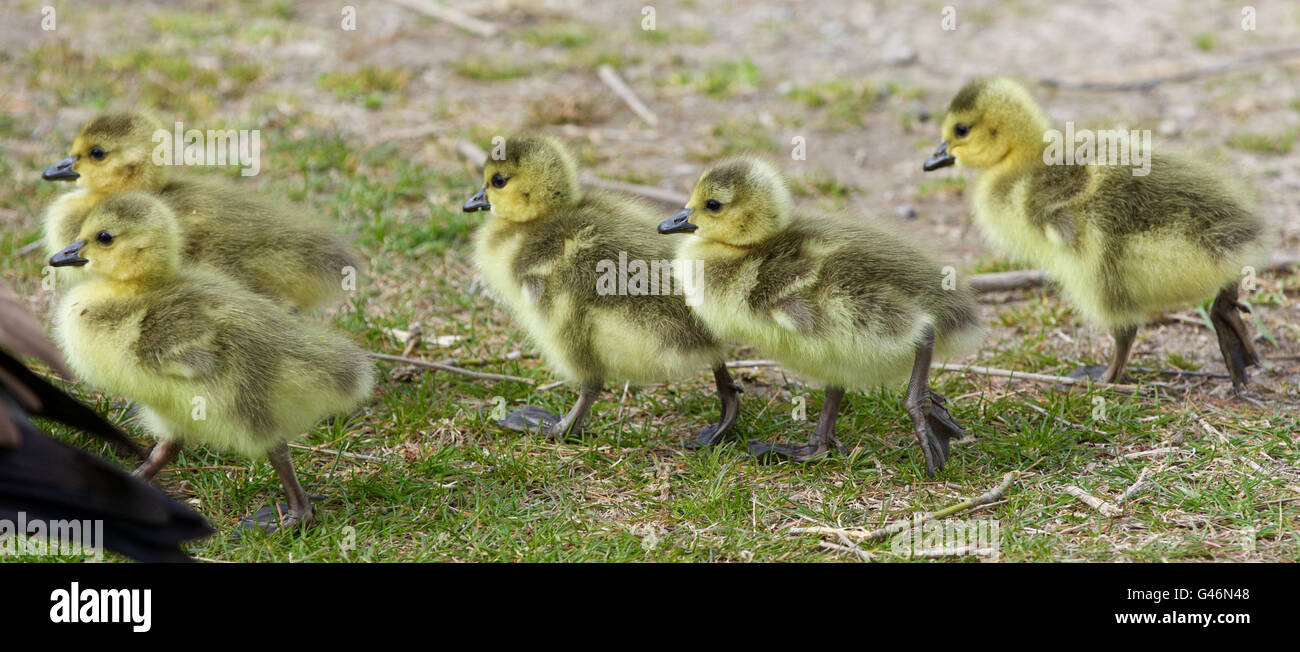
column 932, row 425
column 1234, row 340
column 1113, row 372
column 160, row 456
column 297, row 511
column 729, row 394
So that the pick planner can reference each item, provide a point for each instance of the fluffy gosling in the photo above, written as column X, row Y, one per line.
column 208, row 360
column 276, row 249
column 1123, row 248
column 840, row 302
column 542, row 252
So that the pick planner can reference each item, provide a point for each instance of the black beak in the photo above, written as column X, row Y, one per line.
column 678, row 223
column 478, row 202
column 70, row 257
column 939, row 159
column 61, row 171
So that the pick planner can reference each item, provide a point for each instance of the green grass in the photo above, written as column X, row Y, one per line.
column 421, row 473
column 1275, row 143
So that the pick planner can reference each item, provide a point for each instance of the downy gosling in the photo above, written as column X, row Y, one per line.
column 208, row 360
column 838, row 301
column 543, row 251
column 276, row 249
column 1123, row 247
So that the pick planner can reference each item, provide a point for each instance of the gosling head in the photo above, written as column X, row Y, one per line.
column 128, row 237
column 533, row 176
column 989, row 121
column 739, row 202
column 113, row 153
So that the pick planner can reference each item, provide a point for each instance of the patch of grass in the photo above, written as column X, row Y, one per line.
column 721, row 79
column 942, row 186
column 676, row 35
column 371, row 86
column 1277, row 143
column 564, row 35
column 577, row 108
column 844, row 101
column 1204, row 42
column 735, row 136
column 480, row 69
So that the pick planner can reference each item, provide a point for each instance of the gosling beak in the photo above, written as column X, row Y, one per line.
column 939, row 159
column 478, row 202
column 70, row 257
column 61, row 171
column 678, row 223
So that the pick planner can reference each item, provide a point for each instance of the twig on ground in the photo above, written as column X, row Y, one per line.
column 607, row 74
column 1038, row 378
column 455, row 17
column 1187, row 75
column 331, row 451
column 31, row 248
column 1139, row 486
column 903, row 524
column 477, row 375
column 1105, row 508
column 1148, row 453
column 863, row 554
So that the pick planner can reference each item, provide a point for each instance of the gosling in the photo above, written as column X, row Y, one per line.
column 840, row 302
column 544, row 251
column 208, row 360
column 1123, row 247
column 275, row 249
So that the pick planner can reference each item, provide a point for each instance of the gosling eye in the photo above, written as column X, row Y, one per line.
column 97, row 153
column 961, row 130
column 104, row 238
column 498, row 181
column 713, row 205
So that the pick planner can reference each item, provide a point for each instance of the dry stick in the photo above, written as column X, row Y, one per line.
column 610, row 76
column 1092, row 501
column 331, row 451
column 478, row 375
column 898, row 526
column 1038, row 378
column 475, row 155
column 1189, row 75
column 448, row 15
column 1140, row 485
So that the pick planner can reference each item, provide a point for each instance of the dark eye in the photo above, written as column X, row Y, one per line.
column 97, row 153
column 498, row 181
column 713, row 205
column 105, row 238
column 961, row 130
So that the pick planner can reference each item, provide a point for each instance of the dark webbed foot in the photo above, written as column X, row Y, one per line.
column 934, row 428
column 765, row 451
column 273, row 518
column 1093, row 372
column 530, row 419
column 820, row 443
column 1234, row 339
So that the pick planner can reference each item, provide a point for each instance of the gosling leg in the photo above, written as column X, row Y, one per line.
column 729, row 393
column 932, row 425
column 1234, row 340
column 822, row 439
column 1114, row 372
column 276, row 517
column 160, row 456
